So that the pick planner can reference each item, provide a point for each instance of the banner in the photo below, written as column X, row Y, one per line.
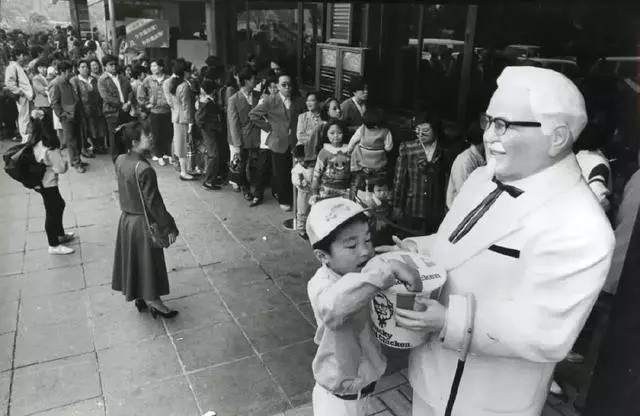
column 147, row 33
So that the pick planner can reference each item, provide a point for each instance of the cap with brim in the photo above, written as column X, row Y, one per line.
column 327, row 215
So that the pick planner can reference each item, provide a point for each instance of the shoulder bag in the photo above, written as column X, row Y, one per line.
column 159, row 237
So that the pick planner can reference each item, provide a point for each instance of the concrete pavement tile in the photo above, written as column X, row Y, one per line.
column 98, row 273
column 222, row 251
column 52, row 309
column 11, row 263
column 276, row 242
column 396, row 402
column 98, row 234
column 127, row 366
column 187, row 282
column 307, row 311
column 105, row 217
column 8, row 315
column 167, row 398
column 250, row 229
column 91, row 407
column 92, row 205
column 252, row 298
column 216, row 344
column 179, row 258
column 5, row 384
column 294, row 261
column 270, row 330
column 6, row 351
column 92, row 252
column 306, row 410
column 374, row 406
column 36, row 208
column 36, row 224
column 37, row 344
column 42, row 260
column 38, row 241
column 302, row 399
column 239, row 388
column 103, row 299
column 124, row 326
column 291, row 367
column 50, row 282
column 294, row 285
column 54, row 384
column 9, row 288
column 235, row 275
column 196, row 311
column 12, row 243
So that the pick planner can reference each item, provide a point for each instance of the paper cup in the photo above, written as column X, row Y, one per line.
column 386, row 302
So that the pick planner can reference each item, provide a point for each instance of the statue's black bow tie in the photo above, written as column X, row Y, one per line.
column 474, row 216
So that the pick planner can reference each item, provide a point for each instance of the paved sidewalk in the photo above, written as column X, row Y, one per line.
column 241, row 345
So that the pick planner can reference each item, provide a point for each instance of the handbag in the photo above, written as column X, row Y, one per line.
column 159, row 237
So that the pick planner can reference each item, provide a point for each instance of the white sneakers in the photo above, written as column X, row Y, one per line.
column 61, row 250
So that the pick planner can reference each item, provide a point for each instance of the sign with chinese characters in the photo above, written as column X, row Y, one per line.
column 147, row 33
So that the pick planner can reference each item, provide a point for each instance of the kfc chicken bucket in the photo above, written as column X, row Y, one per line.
column 385, row 302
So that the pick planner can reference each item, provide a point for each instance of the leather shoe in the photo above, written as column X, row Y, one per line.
column 210, row 186
column 248, row 196
column 255, row 202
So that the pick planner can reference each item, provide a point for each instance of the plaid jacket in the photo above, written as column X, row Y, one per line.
column 420, row 186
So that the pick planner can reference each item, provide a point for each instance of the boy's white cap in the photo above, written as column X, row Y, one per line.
column 329, row 214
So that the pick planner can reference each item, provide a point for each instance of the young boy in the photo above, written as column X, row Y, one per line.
column 348, row 362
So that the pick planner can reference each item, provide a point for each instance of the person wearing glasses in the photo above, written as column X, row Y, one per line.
column 527, row 249
column 278, row 114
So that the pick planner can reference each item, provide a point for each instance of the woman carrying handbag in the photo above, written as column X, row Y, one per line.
column 145, row 227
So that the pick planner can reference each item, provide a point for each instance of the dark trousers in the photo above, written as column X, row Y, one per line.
column 116, row 147
column 162, row 131
column 241, row 173
column 281, row 163
column 212, row 140
column 71, row 141
column 54, row 208
column 263, row 172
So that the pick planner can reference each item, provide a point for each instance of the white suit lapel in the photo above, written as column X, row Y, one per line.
column 505, row 215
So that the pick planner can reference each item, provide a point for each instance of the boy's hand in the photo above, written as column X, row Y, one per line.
column 407, row 274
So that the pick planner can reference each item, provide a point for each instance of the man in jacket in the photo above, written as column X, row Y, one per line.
column 66, row 103
column 244, row 137
column 278, row 114
column 116, row 94
column 353, row 108
column 527, row 249
column 17, row 82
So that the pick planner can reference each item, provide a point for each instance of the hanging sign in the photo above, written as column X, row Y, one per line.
column 147, row 33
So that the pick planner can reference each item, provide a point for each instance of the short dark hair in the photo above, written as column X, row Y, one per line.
column 158, row 62
column 593, row 137
column 132, row 131
column 64, row 66
column 245, row 74
column 208, row 86
column 137, row 70
column 108, row 59
column 19, row 50
column 324, row 108
column 95, row 60
column 42, row 62
column 82, row 61
column 475, row 133
column 310, row 93
column 332, row 122
column 373, row 117
column 325, row 243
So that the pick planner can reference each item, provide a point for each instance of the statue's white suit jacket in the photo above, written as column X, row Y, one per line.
column 535, row 265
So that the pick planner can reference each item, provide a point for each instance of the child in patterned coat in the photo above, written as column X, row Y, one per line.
column 332, row 173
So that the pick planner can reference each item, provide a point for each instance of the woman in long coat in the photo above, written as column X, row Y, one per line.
column 139, row 269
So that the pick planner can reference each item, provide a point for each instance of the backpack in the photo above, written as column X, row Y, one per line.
column 21, row 165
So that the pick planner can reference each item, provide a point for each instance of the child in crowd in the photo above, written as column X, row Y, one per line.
column 305, row 156
column 348, row 362
column 380, row 207
column 368, row 147
column 332, row 174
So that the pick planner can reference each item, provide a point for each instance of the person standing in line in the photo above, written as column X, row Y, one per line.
column 244, row 137
column 114, row 90
column 47, row 151
column 41, row 91
column 279, row 115
column 182, row 115
column 466, row 162
column 66, row 103
column 139, row 269
column 85, row 86
column 152, row 99
column 209, row 119
column 354, row 108
column 17, row 82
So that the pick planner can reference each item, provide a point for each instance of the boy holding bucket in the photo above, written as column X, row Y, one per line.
column 349, row 361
